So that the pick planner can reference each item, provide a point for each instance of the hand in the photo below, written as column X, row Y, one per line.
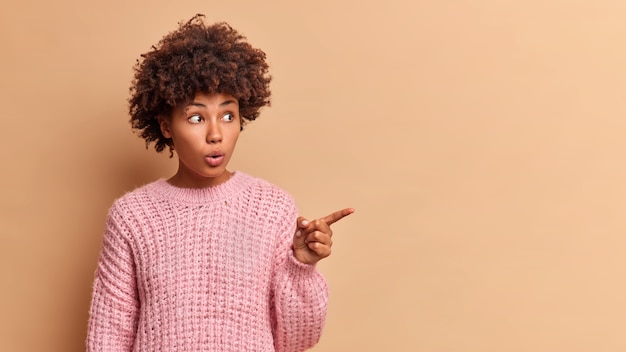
column 313, row 239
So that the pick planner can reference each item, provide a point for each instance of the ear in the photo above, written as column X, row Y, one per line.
column 165, row 127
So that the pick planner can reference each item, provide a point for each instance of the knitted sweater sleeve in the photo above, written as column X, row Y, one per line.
column 114, row 306
column 300, row 295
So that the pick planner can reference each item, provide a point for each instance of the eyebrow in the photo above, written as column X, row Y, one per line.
column 224, row 103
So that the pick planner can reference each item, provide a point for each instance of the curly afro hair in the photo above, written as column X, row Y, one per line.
column 196, row 58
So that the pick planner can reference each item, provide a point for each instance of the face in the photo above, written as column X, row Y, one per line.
column 204, row 133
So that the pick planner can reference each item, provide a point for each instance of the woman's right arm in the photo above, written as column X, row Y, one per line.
column 115, row 303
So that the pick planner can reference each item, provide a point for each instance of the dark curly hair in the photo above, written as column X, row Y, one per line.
column 196, row 58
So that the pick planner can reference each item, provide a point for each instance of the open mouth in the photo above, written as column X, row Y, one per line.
column 215, row 159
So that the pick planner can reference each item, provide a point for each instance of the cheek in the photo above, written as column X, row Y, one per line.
column 232, row 142
column 187, row 139
column 232, row 131
column 235, row 135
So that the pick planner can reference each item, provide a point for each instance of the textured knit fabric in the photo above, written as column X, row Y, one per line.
column 204, row 270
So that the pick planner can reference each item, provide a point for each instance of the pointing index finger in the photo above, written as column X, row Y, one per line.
column 338, row 215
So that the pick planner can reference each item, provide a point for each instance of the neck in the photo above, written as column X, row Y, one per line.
column 184, row 180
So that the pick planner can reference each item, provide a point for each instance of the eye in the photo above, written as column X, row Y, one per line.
column 228, row 117
column 195, row 119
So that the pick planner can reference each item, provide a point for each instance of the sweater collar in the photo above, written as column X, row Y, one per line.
column 235, row 184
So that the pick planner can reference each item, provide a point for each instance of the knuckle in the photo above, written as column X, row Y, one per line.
column 314, row 246
column 316, row 235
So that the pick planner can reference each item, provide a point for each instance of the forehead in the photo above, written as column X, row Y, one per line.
column 211, row 100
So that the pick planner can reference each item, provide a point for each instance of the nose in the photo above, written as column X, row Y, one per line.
column 214, row 133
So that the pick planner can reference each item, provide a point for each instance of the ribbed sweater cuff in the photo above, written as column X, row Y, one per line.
column 297, row 267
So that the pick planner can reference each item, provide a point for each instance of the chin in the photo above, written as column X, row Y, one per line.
column 215, row 173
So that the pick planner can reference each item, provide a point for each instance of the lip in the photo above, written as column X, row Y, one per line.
column 214, row 159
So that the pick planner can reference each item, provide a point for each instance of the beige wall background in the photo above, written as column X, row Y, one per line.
column 481, row 142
